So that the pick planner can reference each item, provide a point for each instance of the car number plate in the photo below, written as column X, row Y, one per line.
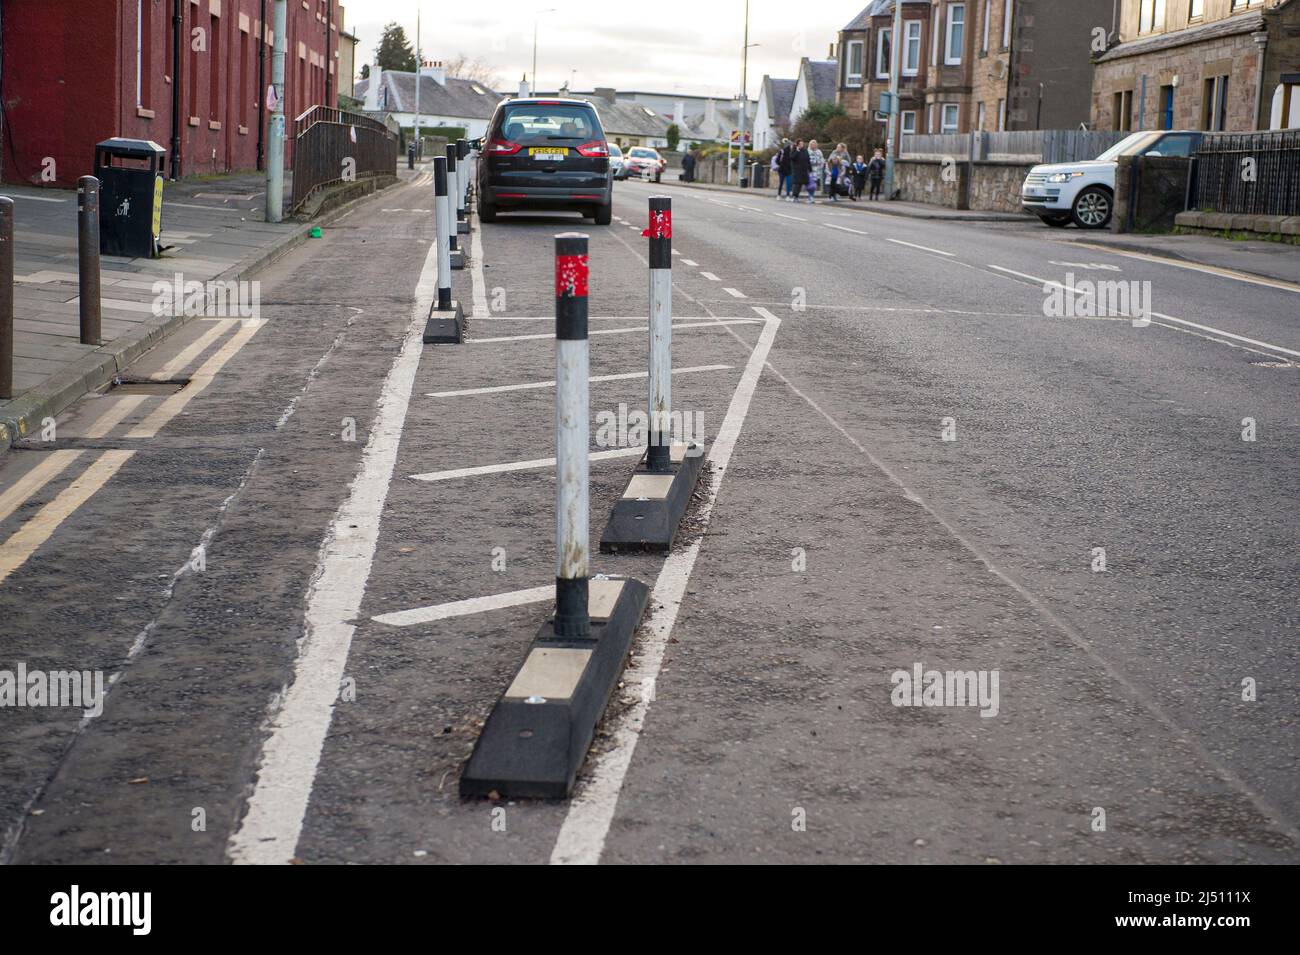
column 548, row 152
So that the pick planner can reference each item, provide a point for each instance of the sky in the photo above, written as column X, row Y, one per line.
column 668, row 46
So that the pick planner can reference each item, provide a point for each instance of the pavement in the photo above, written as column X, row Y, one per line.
column 323, row 560
column 214, row 230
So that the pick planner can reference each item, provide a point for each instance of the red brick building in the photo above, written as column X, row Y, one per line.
column 75, row 72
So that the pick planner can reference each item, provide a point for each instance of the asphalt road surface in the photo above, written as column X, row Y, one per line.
column 913, row 463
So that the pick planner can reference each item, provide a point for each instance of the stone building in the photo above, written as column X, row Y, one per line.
column 865, row 51
column 1197, row 64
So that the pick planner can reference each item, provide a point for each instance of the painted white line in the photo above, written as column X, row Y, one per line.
column 600, row 318
column 692, row 264
column 19, row 195
column 534, row 465
column 50, row 467
column 191, row 205
column 782, row 215
column 675, row 252
column 1168, row 318
column 192, row 351
column 923, row 248
column 499, row 389
column 464, row 608
column 735, row 293
column 844, row 228
column 1195, row 267
column 612, row 331
column 271, row 827
column 710, row 276
column 476, row 270
column 582, row 836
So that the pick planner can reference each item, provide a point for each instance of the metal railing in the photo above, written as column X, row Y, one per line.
column 331, row 146
column 1248, row 174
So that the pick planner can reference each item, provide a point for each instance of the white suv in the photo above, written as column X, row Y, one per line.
column 1084, row 192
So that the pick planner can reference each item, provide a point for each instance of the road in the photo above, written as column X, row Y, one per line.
column 912, row 464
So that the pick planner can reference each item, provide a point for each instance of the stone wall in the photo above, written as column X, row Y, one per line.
column 991, row 186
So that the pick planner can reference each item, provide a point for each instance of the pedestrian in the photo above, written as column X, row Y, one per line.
column 838, row 171
column 688, row 166
column 859, row 178
column 783, row 169
column 833, row 171
column 800, row 171
column 816, row 170
column 876, row 172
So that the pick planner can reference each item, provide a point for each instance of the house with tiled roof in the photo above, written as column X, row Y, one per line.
column 772, row 116
column 816, row 83
column 444, row 100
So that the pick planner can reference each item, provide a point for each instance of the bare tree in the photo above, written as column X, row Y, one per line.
column 464, row 68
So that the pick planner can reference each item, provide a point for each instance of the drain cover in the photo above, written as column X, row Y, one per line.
column 146, row 387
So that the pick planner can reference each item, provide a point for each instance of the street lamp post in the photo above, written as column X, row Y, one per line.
column 895, row 116
column 744, row 99
column 536, row 17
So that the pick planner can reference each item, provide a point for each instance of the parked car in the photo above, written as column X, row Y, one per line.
column 616, row 166
column 645, row 163
column 1084, row 192
column 545, row 154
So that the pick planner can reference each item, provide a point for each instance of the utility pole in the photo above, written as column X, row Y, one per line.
column 275, row 143
column 744, row 100
column 419, row 63
column 895, row 116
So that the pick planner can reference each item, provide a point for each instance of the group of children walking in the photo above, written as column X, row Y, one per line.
column 801, row 168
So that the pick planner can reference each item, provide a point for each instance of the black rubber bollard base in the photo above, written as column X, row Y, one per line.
column 537, row 736
column 462, row 227
column 458, row 259
column 646, row 517
column 445, row 327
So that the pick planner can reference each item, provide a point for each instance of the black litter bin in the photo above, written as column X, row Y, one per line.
column 130, row 174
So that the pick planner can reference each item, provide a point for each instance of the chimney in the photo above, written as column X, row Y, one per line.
column 830, row 53
column 523, row 86
column 436, row 70
column 372, row 90
column 679, row 114
column 607, row 93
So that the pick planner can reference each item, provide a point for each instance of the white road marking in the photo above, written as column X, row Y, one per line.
column 844, row 228
column 192, row 351
column 612, row 331
column 582, row 836
column 692, row 264
column 19, row 195
column 535, row 464
column 782, row 215
column 273, row 823
column 498, row 389
column 1195, row 267
column 1167, row 318
column 735, row 293
column 675, row 252
column 710, row 276
column 923, row 248
column 476, row 270
column 464, row 608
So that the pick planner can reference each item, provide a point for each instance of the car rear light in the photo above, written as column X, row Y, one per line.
column 594, row 150
column 503, row 147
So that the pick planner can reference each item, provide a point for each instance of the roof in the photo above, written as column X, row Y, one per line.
column 627, row 119
column 459, row 98
column 1248, row 23
column 781, row 98
column 877, row 8
column 823, row 80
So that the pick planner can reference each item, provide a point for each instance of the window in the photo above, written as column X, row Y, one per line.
column 950, row 114
column 1002, row 115
column 912, row 47
column 1122, row 118
column 1007, row 10
column 1195, row 9
column 988, row 15
column 1243, row 4
column 245, row 79
column 1214, row 104
column 1181, row 146
column 956, row 34
column 214, row 70
column 194, row 80
column 883, row 41
column 909, row 122
column 853, row 63
column 934, row 42
column 1166, row 107
column 143, row 52
column 979, row 122
column 1151, row 16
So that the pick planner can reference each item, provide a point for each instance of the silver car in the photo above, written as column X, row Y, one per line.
column 616, row 162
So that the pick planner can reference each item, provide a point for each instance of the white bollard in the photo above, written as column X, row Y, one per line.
column 572, row 435
column 452, row 178
column 440, row 206
column 660, row 233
